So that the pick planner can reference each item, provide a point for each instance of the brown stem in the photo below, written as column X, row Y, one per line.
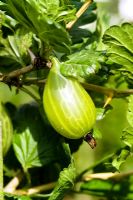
column 79, row 13
column 109, row 92
column 16, row 73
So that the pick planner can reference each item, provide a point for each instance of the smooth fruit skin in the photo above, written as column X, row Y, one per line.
column 69, row 108
column 7, row 129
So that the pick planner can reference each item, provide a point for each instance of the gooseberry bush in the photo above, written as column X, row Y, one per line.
column 73, row 66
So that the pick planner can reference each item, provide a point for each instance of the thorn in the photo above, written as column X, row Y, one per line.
column 108, row 100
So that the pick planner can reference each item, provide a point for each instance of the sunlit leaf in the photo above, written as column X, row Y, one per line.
column 84, row 64
column 119, row 43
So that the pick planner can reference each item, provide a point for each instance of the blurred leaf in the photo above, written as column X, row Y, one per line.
column 130, row 110
column 97, row 133
column 65, row 182
column 102, row 112
column 34, row 143
column 112, row 162
column 127, row 136
column 16, row 197
column 98, row 186
column 111, row 189
column 121, row 157
column 23, row 198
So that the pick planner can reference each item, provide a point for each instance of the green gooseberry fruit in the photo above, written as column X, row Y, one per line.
column 68, row 107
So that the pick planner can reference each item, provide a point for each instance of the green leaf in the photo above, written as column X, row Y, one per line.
column 119, row 41
column 13, row 48
column 121, row 157
column 41, row 17
column 65, row 182
column 130, row 110
column 84, row 64
column 102, row 112
column 35, row 143
column 99, row 187
column 23, row 198
column 97, row 133
column 112, row 188
column 127, row 136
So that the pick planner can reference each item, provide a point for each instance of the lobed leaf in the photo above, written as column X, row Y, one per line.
column 84, row 64
column 34, row 142
column 119, row 41
column 65, row 182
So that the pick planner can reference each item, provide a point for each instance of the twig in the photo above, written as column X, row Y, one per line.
column 103, row 176
column 108, row 175
column 13, row 184
column 16, row 73
column 30, row 81
column 79, row 13
column 107, row 91
column 36, row 190
column 90, row 87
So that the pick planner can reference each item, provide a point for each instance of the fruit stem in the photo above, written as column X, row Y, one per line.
column 1, row 165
